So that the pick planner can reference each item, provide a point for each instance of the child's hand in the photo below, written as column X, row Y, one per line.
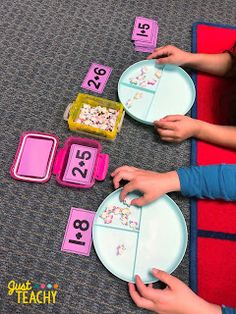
column 151, row 184
column 176, row 128
column 176, row 298
column 170, row 54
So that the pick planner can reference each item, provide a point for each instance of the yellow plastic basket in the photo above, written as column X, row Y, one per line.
column 94, row 101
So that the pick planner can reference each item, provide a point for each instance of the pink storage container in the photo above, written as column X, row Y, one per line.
column 78, row 164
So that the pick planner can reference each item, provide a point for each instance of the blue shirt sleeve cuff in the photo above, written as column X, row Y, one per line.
column 228, row 310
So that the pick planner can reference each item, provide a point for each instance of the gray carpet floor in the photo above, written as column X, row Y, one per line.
column 46, row 48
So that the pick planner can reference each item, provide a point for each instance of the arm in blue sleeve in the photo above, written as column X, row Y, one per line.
column 214, row 181
column 228, row 310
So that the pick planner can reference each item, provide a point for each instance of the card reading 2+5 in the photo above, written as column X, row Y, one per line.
column 96, row 78
column 80, row 164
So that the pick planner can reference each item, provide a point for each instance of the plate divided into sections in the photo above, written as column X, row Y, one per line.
column 150, row 91
column 133, row 240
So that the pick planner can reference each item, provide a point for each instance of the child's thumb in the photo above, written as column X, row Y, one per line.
column 168, row 279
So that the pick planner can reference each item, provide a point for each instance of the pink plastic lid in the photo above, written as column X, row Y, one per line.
column 34, row 158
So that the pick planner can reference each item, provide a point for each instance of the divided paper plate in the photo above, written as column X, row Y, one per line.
column 132, row 240
column 150, row 91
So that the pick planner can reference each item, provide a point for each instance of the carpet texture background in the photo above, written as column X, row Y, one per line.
column 46, row 48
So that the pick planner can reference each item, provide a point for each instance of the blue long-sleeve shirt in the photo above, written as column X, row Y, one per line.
column 228, row 310
column 214, row 182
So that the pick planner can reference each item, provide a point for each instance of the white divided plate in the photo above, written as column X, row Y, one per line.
column 160, row 239
column 173, row 93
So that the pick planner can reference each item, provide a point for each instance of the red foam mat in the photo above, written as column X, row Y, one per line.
column 213, row 223
column 216, row 272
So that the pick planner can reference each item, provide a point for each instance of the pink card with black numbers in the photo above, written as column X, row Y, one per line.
column 78, row 235
column 96, row 78
column 144, row 35
column 80, row 165
column 143, row 29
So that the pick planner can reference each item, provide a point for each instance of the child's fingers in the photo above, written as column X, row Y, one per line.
column 147, row 293
column 155, row 53
column 160, row 53
column 159, row 48
column 126, row 168
column 166, row 133
column 122, row 175
column 168, row 279
column 163, row 133
column 129, row 187
column 172, row 118
column 168, row 139
column 164, row 60
column 123, row 172
column 141, row 201
column 138, row 300
column 165, row 125
column 116, row 180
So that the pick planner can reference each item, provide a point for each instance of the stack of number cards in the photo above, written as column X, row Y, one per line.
column 144, row 34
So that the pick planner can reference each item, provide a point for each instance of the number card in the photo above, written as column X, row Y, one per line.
column 153, row 39
column 96, row 78
column 78, row 235
column 144, row 34
column 143, row 29
column 80, row 164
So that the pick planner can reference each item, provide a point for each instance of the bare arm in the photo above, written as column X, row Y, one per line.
column 217, row 134
column 177, row 128
column 216, row 64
